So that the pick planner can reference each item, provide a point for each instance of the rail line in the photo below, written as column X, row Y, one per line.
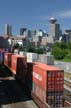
column 67, row 82
column 67, row 89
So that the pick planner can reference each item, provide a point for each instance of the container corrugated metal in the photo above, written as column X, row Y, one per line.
column 47, row 59
column 29, row 76
column 43, row 71
column 8, row 59
column 2, row 56
column 2, row 49
column 22, row 53
column 16, row 51
column 19, row 66
column 39, row 92
column 7, row 49
column 50, row 80
column 32, row 57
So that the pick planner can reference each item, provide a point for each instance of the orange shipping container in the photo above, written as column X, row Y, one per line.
column 19, row 66
column 40, row 93
column 7, row 60
column 43, row 73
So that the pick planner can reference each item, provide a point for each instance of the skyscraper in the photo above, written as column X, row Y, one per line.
column 8, row 29
column 55, row 31
column 22, row 31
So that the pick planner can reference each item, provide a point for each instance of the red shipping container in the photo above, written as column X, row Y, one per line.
column 29, row 70
column 19, row 66
column 8, row 59
column 42, row 74
column 40, row 93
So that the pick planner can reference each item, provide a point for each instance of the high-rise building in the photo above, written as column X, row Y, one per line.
column 55, row 31
column 67, row 36
column 8, row 29
column 22, row 30
column 25, row 32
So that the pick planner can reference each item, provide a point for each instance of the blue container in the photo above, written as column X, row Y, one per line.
column 7, row 49
column 2, row 56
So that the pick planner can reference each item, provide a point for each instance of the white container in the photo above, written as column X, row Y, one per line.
column 47, row 59
column 22, row 53
column 32, row 57
column 16, row 51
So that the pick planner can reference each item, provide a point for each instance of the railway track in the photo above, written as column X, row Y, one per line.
column 67, row 82
column 67, row 89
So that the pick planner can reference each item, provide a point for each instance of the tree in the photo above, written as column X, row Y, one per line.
column 31, row 49
column 16, row 46
column 69, row 45
column 39, row 50
column 21, row 48
column 58, row 53
column 61, row 45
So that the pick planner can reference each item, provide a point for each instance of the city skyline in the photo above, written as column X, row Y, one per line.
column 34, row 14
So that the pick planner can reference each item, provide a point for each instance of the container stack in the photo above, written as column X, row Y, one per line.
column 46, row 59
column 29, row 77
column 8, row 59
column 48, row 84
column 22, row 53
column 2, row 56
column 32, row 57
column 16, row 51
column 55, row 88
column 19, row 67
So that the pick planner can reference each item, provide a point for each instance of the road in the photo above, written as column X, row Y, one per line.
column 12, row 95
column 66, row 66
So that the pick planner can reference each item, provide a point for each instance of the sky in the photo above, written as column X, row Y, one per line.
column 34, row 14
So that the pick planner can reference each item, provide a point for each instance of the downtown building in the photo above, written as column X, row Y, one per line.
column 55, row 31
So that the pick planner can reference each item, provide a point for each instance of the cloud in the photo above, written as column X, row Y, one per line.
column 64, row 14
column 60, row 14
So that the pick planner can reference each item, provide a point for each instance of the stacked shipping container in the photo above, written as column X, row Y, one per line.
column 46, row 59
column 8, row 59
column 19, row 67
column 48, row 84
column 2, row 52
column 45, row 82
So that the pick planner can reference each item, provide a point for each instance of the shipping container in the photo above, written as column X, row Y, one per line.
column 32, row 57
column 39, row 92
column 8, row 59
column 22, row 53
column 29, row 77
column 49, row 73
column 46, row 59
column 38, row 101
column 16, row 51
column 2, row 56
column 50, row 80
column 19, row 67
